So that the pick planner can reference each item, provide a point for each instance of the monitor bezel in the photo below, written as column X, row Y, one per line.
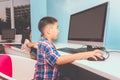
column 2, row 38
column 87, row 41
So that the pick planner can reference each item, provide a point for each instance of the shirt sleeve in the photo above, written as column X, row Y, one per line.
column 52, row 55
column 48, row 52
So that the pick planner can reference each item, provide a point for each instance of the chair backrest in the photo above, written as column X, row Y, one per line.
column 6, row 65
column 23, row 68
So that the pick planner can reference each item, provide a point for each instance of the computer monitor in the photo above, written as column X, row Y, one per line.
column 88, row 26
column 8, row 34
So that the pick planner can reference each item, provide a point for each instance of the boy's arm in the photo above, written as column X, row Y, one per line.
column 78, row 56
column 31, row 44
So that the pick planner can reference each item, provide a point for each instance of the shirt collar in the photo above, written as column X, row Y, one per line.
column 44, row 38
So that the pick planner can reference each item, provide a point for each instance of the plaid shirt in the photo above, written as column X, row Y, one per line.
column 46, row 67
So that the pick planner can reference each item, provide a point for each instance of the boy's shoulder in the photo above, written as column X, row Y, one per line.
column 43, row 43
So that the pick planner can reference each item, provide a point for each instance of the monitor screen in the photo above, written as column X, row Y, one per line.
column 8, row 34
column 88, row 25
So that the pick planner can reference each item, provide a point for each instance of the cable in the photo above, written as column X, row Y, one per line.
column 114, row 51
column 107, row 53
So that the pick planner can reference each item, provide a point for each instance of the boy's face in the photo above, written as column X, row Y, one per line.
column 54, row 31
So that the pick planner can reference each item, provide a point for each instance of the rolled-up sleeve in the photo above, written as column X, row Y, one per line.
column 52, row 55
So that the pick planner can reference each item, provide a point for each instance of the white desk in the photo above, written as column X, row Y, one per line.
column 3, row 76
column 17, row 40
column 109, row 68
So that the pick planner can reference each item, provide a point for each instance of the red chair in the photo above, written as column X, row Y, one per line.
column 6, row 65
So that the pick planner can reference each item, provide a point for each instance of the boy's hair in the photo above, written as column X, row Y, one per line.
column 45, row 21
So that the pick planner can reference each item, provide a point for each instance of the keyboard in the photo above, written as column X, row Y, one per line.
column 6, row 41
column 72, row 50
column 3, row 42
column 77, row 50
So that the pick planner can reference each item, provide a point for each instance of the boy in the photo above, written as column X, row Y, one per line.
column 48, row 58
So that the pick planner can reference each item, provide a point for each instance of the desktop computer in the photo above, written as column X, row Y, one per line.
column 8, row 35
column 88, row 28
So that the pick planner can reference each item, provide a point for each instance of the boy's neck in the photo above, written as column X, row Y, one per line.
column 49, row 38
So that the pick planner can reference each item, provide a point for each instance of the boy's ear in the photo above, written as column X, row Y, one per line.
column 49, row 30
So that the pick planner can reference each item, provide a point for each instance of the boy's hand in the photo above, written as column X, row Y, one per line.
column 85, row 55
column 95, row 53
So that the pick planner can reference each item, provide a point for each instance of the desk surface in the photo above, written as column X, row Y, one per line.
column 109, row 68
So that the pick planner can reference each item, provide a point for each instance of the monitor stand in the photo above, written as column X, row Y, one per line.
column 91, row 48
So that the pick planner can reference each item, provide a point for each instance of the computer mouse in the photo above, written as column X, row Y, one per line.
column 98, row 59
